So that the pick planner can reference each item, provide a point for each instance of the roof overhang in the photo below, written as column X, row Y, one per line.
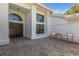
column 43, row 6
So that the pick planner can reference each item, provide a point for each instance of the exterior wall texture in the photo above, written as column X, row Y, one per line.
column 36, row 9
column 63, row 26
column 29, row 19
column 26, row 16
column 22, row 15
column 4, row 28
column 28, row 24
column 52, row 24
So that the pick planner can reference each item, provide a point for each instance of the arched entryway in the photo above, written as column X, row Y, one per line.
column 15, row 25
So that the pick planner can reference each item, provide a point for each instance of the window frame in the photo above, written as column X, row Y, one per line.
column 40, row 23
column 17, row 17
column 39, row 20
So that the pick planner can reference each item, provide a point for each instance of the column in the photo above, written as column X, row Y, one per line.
column 48, row 23
column 33, row 22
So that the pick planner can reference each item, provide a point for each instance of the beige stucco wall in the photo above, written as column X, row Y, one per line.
column 56, row 23
column 29, row 20
column 25, row 5
column 26, row 16
column 46, row 15
column 63, row 26
column 22, row 14
column 4, row 31
column 28, row 24
column 19, row 13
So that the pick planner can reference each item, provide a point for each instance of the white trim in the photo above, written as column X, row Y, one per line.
column 21, row 22
column 33, row 22
column 40, row 23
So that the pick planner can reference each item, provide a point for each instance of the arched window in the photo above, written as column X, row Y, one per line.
column 15, row 17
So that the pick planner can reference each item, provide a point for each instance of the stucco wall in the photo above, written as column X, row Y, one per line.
column 4, row 29
column 25, row 5
column 56, row 22
column 40, row 11
column 46, row 15
column 28, row 24
column 26, row 16
column 22, row 14
column 64, row 26
column 30, row 19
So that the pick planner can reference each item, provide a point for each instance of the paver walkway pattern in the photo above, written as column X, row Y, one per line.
column 39, row 47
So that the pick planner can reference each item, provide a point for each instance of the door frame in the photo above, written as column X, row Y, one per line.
column 20, row 22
